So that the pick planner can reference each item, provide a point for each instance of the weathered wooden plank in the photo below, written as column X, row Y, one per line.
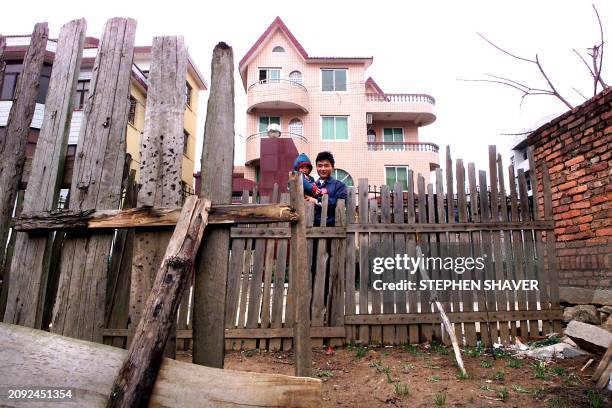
column 301, row 282
column 246, row 271
column 258, row 333
column 279, row 283
column 2, row 59
column 413, row 298
column 161, row 157
column 254, row 301
column 268, row 269
column 364, row 263
column 501, row 300
column 32, row 357
column 374, row 252
column 429, row 318
column 386, row 243
column 135, row 380
column 336, row 292
column 443, row 240
column 320, row 276
column 29, row 269
column 217, row 165
column 4, row 285
column 349, row 279
column 434, row 252
column 13, row 137
column 423, row 242
column 96, row 183
column 399, row 246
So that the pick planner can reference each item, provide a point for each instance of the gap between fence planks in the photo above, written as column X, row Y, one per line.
column 135, row 380
column 30, row 261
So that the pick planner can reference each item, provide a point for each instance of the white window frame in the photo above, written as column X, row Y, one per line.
column 398, row 148
column 396, row 166
column 348, row 127
column 295, row 82
column 301, row 126
column 334, row 78
column 280, row 73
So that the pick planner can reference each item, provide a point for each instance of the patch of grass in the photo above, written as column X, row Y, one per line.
column 500, row 376
column 433, row 378
column 503, row 394
column 595, row 400
column 401, row 389
column 412, row 349
column 558, row 371
column 572, row 379
column 440, row 400
column 429, row 364
column 377, row 364
column 519, row 389
column 485, row 387
column 325, row 373
column 408, row 367
column 461, row 376
column 474, row 351
column 501, row 353
column 538, row 392
column 514, row 363
column 559, row 402
column 539, row 370
column 545, row 342
column 486, row 364
column 438, row 348
column 360, row 351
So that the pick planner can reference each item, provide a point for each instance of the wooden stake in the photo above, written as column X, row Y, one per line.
column 301, row 281
column 217, row 164
column 135, row 381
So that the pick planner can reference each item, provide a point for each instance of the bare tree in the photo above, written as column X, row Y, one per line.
column 595, row 53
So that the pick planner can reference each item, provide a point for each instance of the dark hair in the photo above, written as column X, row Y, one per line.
column 326, row 156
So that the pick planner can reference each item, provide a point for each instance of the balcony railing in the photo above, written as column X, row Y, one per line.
column 409, row 98
column 283, row 135
column 403, row 146
column 292, row 82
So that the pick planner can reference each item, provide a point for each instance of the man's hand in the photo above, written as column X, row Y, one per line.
column 311, row 199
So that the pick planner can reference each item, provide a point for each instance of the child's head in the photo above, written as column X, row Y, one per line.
column 302, row 164
column 305, row 169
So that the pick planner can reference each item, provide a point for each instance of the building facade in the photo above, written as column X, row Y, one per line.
column 326, row 103
column 16, row 47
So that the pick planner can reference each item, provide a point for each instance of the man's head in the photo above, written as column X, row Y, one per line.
column 325, row 164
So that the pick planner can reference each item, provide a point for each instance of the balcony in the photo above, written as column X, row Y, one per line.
column 422, row 157
column 418, row 108
column 277, row 94
column 253, row 146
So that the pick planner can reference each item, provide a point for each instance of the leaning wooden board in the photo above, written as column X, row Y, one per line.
column 32, row 357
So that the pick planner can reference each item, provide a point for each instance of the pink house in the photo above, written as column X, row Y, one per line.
column 326, row 103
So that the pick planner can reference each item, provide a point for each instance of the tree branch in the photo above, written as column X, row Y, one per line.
column 504, row 51
column 556, row 93
column 598, row 77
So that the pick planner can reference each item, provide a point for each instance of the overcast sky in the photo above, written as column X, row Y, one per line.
column 418, row 47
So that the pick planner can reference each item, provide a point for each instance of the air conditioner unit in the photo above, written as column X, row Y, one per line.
column 368, row 118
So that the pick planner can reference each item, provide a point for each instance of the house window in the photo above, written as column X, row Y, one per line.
column 395, row 174
column 296, row 77
column 265, row 121
column 334, row 127
column 185, row 141
column 343, row 176
column 11, row 75
column 333, row 79
column 188, row 90
column 43, row 83
column 132, row 112
column 393, row 135
column 278, row 48
column 296, row 127
column 81, row 93
column 268, row 75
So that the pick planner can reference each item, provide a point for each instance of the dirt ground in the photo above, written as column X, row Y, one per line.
column 423, row 376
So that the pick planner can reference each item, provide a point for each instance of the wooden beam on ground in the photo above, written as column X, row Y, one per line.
column 150, row 217
column 14, row 137
column 29, row 268
column 135, row 380
column 217, row 165
column 96, row 183
column 300, row 287
column 161, row 158
column 33, row 357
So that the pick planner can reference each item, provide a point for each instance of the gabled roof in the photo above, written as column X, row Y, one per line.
column 370, row 81
column 278, row 24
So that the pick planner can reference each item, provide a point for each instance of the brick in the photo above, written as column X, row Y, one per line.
column 576, row 190
column 603, row 232
column 580, row 204
column 567, row 185
column 575, row 160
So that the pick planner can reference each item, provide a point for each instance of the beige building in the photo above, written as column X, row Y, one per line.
column 326, row 103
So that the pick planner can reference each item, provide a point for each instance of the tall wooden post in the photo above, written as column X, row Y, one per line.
column 96, row 184
column 301, row 281
column 28, row 269
column 161, row 156
column 217, row 165
column 14, row 137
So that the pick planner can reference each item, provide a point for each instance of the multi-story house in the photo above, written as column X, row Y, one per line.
column 325, row 103
column 16, row 47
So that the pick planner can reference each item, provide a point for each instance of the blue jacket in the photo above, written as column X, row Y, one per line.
column 335, row 190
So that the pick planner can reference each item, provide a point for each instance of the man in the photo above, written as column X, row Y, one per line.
column 334, row 189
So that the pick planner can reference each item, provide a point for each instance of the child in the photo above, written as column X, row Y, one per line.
column 303, row 165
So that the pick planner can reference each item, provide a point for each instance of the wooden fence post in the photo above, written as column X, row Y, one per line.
column 301, row 281
column 161, row 157
column 96, row 184
column 217, row 164
column 28, row 269
column 13, row 138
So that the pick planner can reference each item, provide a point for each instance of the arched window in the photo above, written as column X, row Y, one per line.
column 278, row 48
column 343, row 176
column 296, row 127
column 296, row 77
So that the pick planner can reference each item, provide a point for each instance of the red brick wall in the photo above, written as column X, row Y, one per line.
column 576, row 148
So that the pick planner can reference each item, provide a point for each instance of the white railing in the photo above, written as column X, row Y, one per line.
column 260, row 135
column 278, row 81
column 409, row 98
column 403, row 146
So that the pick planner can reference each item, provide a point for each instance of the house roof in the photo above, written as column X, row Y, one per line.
column 278, row 24
column 370, row 81
column 146, row 49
